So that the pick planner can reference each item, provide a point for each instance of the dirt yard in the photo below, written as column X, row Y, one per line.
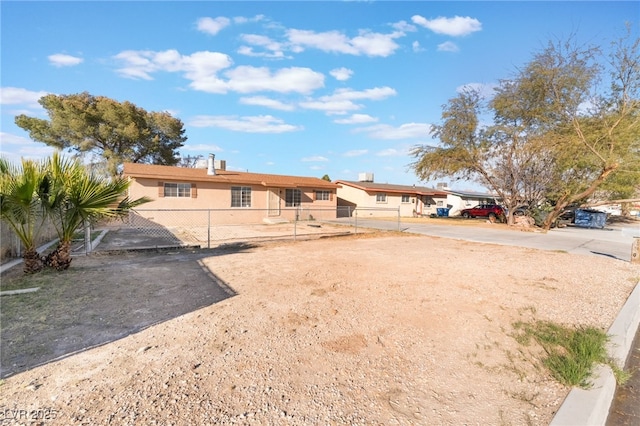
column 365, row 329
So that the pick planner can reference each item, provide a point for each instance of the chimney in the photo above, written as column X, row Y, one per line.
column 210, row 168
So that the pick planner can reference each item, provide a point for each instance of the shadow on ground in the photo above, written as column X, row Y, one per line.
column 101, row 298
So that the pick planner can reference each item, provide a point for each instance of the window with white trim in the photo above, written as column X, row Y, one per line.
column 406, row 198
column 323, row 195
column 381, row 197
column 177, row 190
column 240, row 196
column 292, row 197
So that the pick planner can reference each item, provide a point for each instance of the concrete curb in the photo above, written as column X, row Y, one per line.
column 591, row 406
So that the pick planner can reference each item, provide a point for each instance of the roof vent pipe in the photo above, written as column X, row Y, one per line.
column 210, row 169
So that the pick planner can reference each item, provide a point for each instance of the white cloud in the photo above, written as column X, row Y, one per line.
column 247, row 124
column 199, row 65
column 391, row 152
column 405, row 131
column 416, row 46
column 375, row 94
column 20, row 96
column 338, row 107
column 266, row 102
column 246, row 79
column 355, row 153
column 274, row 48
column 356, row 119
column 448, row 46
column 202, row 69
column 212, row 25
column 367, row 43
column 341, row 74
column 201, row 147
column 244, row 20
column 62, row 60
column 341, row 101
column 22, row 147
column 404, row 26
column 315, row 158
column 456, row 26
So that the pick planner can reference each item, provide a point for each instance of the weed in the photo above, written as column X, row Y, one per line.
column 571, row 352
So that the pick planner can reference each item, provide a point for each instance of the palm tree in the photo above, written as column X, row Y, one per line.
column 20, row 206
column 74, row 196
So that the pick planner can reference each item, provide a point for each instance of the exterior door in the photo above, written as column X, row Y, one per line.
column 273, row 202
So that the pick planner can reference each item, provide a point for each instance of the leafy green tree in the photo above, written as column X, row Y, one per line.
column 327, row 178
column 74, row 197
column 20, row 206
column 118, row 131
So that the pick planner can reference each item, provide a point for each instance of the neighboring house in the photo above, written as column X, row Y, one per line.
column 458, row 200
column 378, row 199
column 247, row 197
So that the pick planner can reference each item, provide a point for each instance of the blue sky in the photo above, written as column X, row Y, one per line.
column 300, row 88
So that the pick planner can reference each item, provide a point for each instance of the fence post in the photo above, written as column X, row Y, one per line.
column 398, row 218
column 87, row 237
column 356, row 213
column 295, row 223
column 209, row 228
column 635, row 250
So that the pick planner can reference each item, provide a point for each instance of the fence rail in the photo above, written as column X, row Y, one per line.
column 213, row 227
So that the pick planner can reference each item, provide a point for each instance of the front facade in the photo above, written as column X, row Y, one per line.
column 382, row 199
column 237, row 197
column 459, row 200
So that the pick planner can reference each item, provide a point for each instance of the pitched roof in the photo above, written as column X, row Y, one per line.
column 151, row 171
column 390, row 188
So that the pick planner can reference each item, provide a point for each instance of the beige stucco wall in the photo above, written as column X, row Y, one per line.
column 217, row 197
column 369, row 207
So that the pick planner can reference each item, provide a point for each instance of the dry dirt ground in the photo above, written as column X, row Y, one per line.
column 369, row 329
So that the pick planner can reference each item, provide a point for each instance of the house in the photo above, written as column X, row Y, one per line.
column 379, row 199
column 240, row 197
column 459, row 200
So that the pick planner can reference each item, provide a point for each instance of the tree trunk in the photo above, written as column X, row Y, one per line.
column 32, row 261
column 60, row 258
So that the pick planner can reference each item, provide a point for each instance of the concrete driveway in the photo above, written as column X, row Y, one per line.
column 613, row 241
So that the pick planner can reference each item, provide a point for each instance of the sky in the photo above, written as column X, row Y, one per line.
column 306, row 88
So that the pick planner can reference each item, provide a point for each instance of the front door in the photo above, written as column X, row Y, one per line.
column 273, row 202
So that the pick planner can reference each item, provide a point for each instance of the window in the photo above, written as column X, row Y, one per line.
column 381, row 197
column 405, row 198
column 240, row 196
column 440, row 203
column 292, row 198
column 177, row 190
column 323, row 195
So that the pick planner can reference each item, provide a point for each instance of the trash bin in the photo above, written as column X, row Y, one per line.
column 586, row 218
column 442, row 212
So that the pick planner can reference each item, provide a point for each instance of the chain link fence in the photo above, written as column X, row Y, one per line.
column 212, row 227
column 207, row 228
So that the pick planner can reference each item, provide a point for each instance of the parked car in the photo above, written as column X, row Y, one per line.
column 483, row 210
column 522, row 211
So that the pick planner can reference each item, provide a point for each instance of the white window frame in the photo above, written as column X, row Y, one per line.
column 381, row 197
column 240, row 196
column 177, row 190
column 323, row 195
column 405, row 198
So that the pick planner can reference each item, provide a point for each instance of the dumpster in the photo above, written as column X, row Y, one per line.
column 442, row 212
column 586, row 218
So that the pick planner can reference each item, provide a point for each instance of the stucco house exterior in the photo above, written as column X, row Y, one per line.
column 241, row 197
column 459, row 200
column 378, row 199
